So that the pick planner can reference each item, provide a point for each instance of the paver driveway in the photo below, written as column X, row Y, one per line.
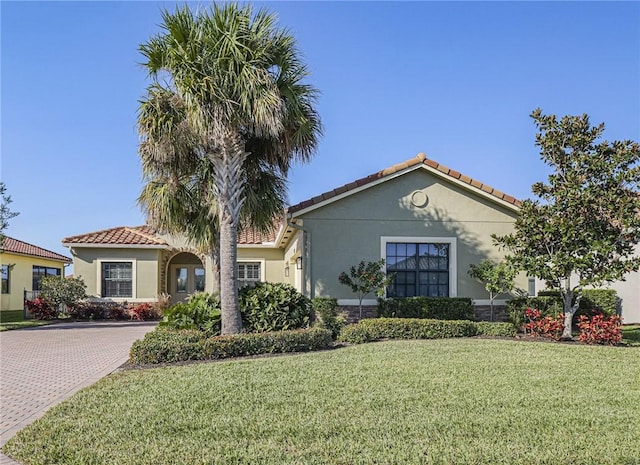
column 42, row 366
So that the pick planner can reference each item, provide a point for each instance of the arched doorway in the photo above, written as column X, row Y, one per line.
column 185, row 275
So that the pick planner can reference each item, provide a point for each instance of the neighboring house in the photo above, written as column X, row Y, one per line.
column 23, row 266
column 428, row 222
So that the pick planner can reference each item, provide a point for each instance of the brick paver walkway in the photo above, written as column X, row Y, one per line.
column 40, row 367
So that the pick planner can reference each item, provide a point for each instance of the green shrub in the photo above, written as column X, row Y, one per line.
column 374, row 329
column 356, row 334
column 273, row 307
column 603, row 301
column 437, row 308
column 485, row 328
column 549, row 303
column 326, row 315
column 163, row 345
column 201, row 312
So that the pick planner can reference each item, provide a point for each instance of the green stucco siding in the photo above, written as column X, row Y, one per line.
column 350, row 229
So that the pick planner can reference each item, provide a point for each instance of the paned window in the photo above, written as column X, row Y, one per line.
column 117, row 279
column 40, row 272
column 248, row 274
column 199, row 273
column 5, row 279
column 418, row 269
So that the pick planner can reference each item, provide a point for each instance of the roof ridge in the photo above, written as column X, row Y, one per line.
column 137, row 230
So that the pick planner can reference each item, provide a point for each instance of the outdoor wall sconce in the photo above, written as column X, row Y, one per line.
column 299, row 263
column 286, row 271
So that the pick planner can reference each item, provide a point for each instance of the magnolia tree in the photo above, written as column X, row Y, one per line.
column 59, row 291
column 584, row 227
column 365, row 278
column 498, row 278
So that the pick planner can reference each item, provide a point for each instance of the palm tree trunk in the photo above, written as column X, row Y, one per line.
column 231, row 318
column 229, row 187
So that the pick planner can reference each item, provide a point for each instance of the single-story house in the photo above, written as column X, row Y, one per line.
column 428, row 222
column 23, row 266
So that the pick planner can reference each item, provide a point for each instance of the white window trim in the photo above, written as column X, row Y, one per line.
column 134, row 275
column 263, row 269
column 453, row 254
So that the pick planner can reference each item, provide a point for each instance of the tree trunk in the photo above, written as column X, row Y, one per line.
column 228, row 191
column 215, row 269
column 491, row 297
column 569, row 311
column 231, row 318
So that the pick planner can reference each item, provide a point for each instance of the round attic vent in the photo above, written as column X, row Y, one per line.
column 419, row 199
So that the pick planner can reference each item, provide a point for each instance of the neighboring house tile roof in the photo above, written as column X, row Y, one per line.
column 420, row 159
column 12, row 245
column 122, row 235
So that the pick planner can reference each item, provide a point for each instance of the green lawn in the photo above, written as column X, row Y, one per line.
column 464, row 401
column 13, row 319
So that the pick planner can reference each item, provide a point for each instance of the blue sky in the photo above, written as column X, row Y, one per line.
column 456, row 80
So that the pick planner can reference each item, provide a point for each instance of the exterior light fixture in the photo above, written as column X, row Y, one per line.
column 286, row 271
column 299, row 263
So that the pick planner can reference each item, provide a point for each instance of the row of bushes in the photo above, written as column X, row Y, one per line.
column 417, row 328
column 549, row 303
column 438, row 308
column 41, row 309
column 164, row 346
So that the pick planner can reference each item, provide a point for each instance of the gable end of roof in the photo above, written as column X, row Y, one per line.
column 418, row 161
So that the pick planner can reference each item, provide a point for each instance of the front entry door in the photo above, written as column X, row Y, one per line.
column 185, row 280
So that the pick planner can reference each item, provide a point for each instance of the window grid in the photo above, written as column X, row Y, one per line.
column 5, row 279
column 117, row 279
column 248, row 274
column 40, row 272
column 418, row 269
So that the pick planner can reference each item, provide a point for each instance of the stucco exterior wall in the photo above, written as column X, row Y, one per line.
column 21, row 277
column 351, row 229
column 86, row 265
column 271, row 259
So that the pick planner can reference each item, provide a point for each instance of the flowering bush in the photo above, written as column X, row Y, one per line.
column 600, row 329
column 142, row 312
column 40, row 309
column 546, row 326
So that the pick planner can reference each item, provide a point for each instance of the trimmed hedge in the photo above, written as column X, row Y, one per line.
column 162, row 346
column 550, row 304
column 375, row 329
column 436, row 308
column 485, row 328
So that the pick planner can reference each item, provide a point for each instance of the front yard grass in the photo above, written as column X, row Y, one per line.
column 464, row 401
column 13, row 319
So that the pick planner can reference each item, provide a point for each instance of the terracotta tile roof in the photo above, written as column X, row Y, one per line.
column 420, row 159
column 12, row 245
column 146, row 235
column 250, row 236
column 122, row 235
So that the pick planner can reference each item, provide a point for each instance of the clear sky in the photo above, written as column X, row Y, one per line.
column 456, row 80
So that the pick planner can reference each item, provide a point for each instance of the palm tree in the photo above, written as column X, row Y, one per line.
column 227, row 96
